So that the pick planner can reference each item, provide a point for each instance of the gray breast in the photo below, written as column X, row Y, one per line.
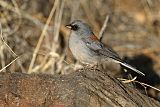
column 80, row 51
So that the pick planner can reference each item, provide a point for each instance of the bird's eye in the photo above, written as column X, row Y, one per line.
column 75, row 27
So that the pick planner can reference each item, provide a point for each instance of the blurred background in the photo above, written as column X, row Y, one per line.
column 34, row 37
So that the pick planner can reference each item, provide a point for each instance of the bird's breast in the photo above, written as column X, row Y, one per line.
column 80, row 51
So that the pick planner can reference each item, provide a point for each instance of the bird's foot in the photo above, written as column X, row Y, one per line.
column 92, row 66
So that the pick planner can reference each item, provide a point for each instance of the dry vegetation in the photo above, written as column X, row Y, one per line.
column 33, row 32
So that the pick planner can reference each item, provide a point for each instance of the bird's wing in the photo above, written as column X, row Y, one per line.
column 92, row 43
column 110, row 53
column 95, row 45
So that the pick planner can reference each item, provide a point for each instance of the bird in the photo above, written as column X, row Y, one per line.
column 88, row 49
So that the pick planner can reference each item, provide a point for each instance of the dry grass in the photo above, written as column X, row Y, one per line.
column 42, row 37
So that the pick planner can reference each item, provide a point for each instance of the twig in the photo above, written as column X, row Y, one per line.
column 143, row 84
column 103, row 28
column 55, row 44
column 58, row 23
column 42, row 37
column 9, row 64
column 1, row 33
column 126, row 80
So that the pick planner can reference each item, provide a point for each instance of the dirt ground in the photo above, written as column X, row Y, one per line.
column 28, row 45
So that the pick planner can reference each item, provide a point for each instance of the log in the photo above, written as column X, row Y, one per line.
column 82, row 88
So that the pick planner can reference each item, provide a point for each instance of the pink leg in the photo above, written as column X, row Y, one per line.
column 93, row 66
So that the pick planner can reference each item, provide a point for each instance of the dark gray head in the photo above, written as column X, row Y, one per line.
column 80, row 28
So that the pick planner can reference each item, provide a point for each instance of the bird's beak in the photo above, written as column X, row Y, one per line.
column 69, row 26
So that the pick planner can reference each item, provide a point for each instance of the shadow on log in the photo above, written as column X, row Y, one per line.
column 84, row 88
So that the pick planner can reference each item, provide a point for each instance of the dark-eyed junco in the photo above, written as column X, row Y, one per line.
column 87, row 48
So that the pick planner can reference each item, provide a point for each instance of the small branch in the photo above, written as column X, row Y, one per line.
column 42, row 37
column 134, row 80
column 9, row 64
column 103, row 28
column 1, row 34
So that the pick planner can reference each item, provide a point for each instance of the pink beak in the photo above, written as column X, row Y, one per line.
column 69, row 26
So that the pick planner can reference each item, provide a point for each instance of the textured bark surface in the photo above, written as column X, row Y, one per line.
column 84, row 88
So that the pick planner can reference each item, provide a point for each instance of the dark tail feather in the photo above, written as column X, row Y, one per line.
column 129, row 66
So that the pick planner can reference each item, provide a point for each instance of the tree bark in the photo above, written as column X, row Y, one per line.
column 83, row 88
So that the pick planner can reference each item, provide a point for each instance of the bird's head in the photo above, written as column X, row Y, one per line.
column 80, row 28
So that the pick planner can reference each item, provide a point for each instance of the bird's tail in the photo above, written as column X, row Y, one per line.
column 129, row 66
